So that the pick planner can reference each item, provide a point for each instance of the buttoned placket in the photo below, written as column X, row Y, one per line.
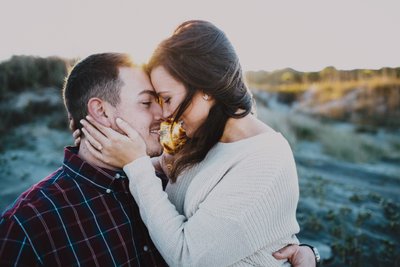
column 117, row 176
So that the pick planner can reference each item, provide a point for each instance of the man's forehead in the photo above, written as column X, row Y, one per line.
column 137, row 79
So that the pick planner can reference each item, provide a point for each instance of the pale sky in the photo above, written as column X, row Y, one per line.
column 306, row 35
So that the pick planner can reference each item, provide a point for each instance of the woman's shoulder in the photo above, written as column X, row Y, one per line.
column 260, row 141
column 249, row 133
column 265, row 151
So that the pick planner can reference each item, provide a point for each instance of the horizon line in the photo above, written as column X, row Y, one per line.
column 5, row 59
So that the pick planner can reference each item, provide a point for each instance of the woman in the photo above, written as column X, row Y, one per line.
column 233, row 188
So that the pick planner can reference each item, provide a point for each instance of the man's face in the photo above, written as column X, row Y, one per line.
column 138, row 106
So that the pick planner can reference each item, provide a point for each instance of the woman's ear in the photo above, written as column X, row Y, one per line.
column 97, row 108
column 206, row 96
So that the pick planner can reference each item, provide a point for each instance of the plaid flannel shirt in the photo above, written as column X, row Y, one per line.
column 80, row 215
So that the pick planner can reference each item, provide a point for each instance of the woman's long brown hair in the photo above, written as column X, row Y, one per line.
column 200, row 56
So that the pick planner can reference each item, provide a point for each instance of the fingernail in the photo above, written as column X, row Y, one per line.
column 118, row 120
column 82, row 122
column 88, row 117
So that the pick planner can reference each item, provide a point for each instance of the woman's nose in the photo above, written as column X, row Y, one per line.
column 166, row 113
column 158, row 113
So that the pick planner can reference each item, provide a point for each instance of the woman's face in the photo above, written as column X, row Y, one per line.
column 172, row 93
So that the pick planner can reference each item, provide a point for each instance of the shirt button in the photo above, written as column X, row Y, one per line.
column 117, row 175
column 145, row 248
column 108, row 191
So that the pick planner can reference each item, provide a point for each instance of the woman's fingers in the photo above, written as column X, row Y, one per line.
column 135, row 142
column 76, row 134
column 94, row 133
column 77, row 141
column 103, row 129
column 112, row 147
column 127, row 129
column 77, row 137
column 92, row 140
column 97, row 154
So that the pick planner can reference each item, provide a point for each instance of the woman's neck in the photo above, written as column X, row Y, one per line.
column 242, row 128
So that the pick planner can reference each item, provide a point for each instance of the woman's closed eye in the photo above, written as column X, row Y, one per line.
column 166, row 100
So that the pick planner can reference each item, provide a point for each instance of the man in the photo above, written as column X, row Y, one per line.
column 83, row 214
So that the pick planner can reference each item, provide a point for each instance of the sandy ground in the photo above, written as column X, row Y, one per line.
column 33, row 152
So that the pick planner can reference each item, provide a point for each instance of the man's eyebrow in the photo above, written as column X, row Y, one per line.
column 148, row 92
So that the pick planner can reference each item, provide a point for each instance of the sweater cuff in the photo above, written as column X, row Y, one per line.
column 138, row 169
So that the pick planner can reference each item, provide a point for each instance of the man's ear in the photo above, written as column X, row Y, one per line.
column 98, row 109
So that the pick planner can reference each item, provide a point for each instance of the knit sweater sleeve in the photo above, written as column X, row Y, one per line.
column 232, row 223
column 202, row 240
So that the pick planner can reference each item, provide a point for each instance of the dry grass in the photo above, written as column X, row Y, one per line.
column 339, row 143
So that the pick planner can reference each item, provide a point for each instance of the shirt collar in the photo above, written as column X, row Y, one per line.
column 104, row 179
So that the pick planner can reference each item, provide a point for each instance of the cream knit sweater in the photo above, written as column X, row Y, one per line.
column 235, row 208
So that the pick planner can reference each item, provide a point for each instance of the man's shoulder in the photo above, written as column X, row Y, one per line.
column 36, row 199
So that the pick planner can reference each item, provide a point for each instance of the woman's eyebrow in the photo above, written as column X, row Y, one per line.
column 162, row 92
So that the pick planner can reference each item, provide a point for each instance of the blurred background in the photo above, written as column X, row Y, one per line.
column 326, row 75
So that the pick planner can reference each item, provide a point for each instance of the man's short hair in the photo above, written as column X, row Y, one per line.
column 95, row 76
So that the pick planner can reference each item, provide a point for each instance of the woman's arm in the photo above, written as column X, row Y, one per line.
column 250, row 210
column 201, row 240
column 209, row 237
column 157, row 164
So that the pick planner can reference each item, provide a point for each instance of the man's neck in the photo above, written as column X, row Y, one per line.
column 85, row 155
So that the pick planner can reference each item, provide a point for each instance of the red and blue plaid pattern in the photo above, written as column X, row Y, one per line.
column 80, row 215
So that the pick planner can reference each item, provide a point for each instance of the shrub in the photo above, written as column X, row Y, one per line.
column 22, row 72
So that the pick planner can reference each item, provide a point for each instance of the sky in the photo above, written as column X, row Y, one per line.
column 306, row 35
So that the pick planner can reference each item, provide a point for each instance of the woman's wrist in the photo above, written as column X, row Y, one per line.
column 139, row 168
column 135, row 160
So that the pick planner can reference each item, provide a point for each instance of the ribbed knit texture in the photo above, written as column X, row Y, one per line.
column 235, row 208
